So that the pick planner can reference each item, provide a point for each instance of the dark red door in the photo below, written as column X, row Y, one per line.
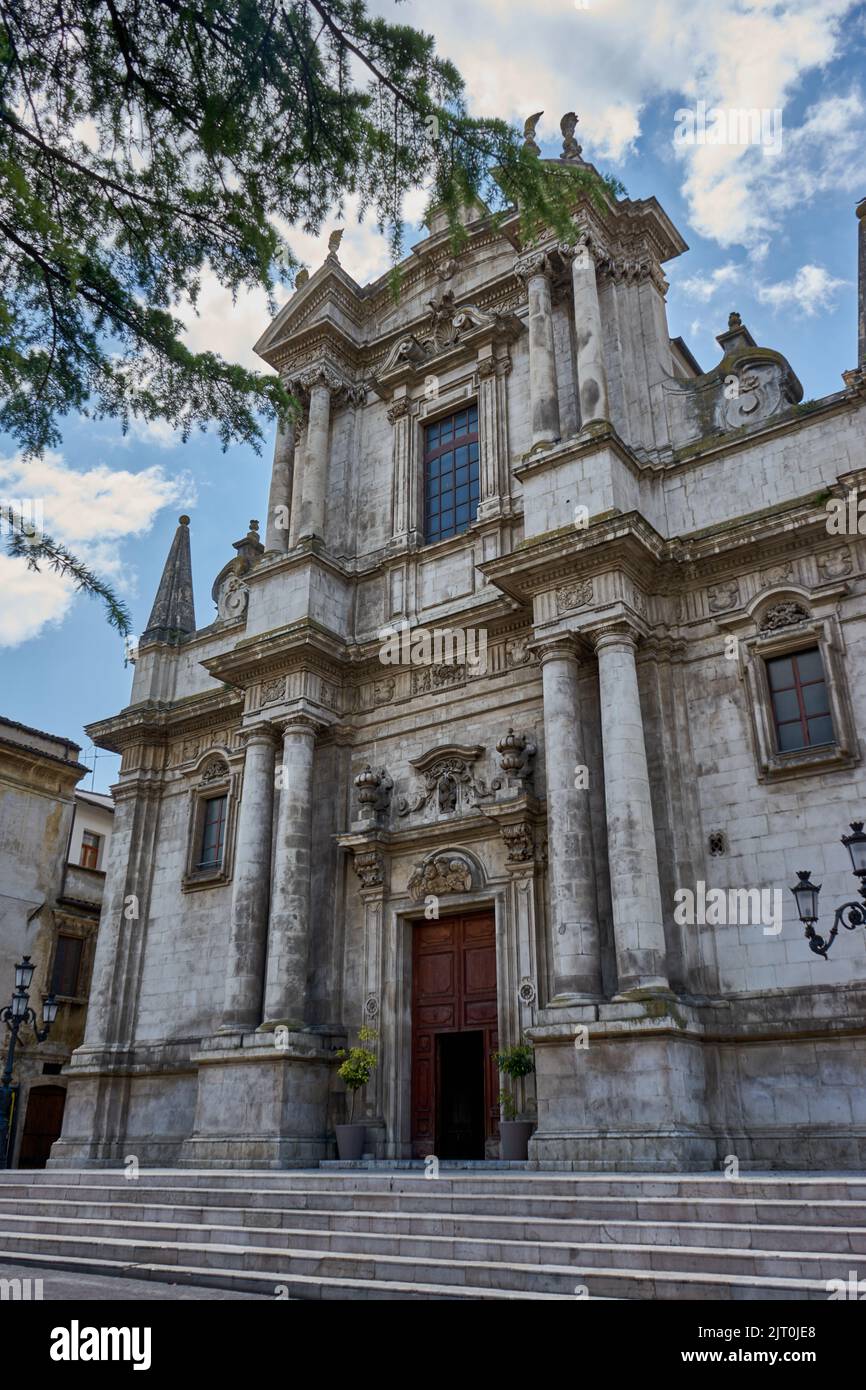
column 42, row 1125
column 454, row 991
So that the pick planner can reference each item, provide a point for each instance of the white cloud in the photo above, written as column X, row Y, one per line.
column 703, row 287
column 810, row 290
column 733, row 54
column 92, row 512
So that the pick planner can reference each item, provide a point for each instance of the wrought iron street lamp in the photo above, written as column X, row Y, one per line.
column 849, row 915
column 15, row 1015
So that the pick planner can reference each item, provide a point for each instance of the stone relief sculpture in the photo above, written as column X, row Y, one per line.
column 443, row 874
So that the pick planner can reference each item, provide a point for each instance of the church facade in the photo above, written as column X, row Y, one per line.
column 540, row 685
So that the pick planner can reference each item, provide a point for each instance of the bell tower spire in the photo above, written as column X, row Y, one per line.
column 173, row 614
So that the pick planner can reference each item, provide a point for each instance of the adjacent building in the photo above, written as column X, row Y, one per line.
column 53, row 848
column 517, row 718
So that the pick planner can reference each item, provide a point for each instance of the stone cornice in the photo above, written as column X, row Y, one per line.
column 302, row 645
column 153, row 721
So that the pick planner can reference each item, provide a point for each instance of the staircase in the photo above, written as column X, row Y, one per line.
column 392, row 1233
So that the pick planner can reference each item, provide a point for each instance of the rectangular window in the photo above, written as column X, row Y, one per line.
column 213, row 832
column 801, row 709
column 451, row 478
column 90, row 843
column 67, row 965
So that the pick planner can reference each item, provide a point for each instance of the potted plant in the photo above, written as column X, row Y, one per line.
column 515, row 1062
column 355, row 1071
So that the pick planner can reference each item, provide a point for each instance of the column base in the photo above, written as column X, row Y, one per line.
column 263, row 1100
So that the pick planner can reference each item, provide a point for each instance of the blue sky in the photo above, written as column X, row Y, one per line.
column 772, row 235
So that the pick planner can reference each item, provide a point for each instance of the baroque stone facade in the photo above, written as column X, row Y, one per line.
column 644, row 538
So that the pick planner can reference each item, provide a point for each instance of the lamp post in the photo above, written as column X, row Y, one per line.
column 849, row 915
column 14, row 1016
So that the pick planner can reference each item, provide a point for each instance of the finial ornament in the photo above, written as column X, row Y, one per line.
column 529, row 142
column 734, row 320
column 183, row 520
column 301, row 279
column 334, row 242
column 568, row 125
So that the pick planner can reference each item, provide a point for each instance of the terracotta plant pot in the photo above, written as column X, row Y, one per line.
column 350, row 1140
column 514, row 1140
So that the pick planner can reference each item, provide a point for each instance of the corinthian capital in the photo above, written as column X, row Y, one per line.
column 532, row 263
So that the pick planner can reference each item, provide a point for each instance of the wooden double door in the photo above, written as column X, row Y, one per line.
column 455, row 1086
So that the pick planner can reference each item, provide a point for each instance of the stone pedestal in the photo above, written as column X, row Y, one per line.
column 263, row 1102
column 622, row 1088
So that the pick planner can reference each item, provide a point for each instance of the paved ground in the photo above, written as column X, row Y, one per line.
column 105, row 1288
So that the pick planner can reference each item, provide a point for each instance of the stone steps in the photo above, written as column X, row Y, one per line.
column 358, row 1234
column 395, row 1225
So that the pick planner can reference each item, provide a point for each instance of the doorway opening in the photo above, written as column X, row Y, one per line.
column 460, row 1093
column 42, row 1125
column 454, row 1037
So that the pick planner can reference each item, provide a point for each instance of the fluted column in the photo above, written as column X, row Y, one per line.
column 534, row 268
column 314, row 483
column 573, row 903
column 280, row 495
column 245, row 970
column 591, row 374
column 631, row 842
column 289, row 925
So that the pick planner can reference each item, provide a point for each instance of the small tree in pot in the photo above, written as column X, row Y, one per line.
column 515, row 1062
column 355, row 1071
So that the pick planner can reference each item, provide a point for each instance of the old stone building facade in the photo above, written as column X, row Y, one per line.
column 546, row 630
column 54, row 840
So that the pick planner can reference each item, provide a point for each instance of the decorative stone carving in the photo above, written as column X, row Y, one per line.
column 383, row 691
column 448, row 776
column 519, row 841
column 374, row 792
column 438, row 676
column 444, row 874
column 835, row 564
column 215, row 770
column 571, row 150
column 526, row 992
column 717, row 843
column 233, row 597
column 529, row 128
column 722, row 597
column 518, row 651
column 371, row 1008
column 575, row 595
column 273, row 690
column 446, row 327
column 517, row 754
column 778, row 574
column 781, row 615
column 369, row 865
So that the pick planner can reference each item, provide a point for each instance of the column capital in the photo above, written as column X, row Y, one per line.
column 562, row 647
column 531, row 263
column 263, row 732
column 620, row 633
column 299, row 725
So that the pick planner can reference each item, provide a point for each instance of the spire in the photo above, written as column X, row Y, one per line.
column 173, row 614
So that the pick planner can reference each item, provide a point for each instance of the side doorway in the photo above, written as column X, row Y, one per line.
column 42, row 1125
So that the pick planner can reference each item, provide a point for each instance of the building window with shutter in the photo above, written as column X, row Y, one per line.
column 451, row 475
column 67, row 966
column 90, row 844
